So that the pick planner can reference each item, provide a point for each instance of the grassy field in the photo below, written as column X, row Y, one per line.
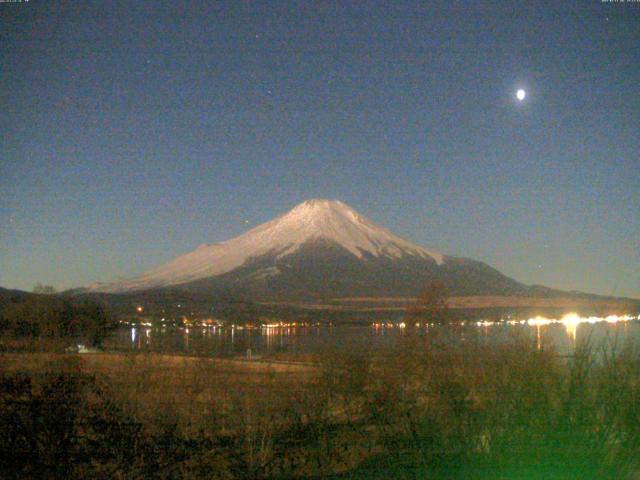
column 415, row 409
column 490, row 301
column 187, row 389
column 601, row 306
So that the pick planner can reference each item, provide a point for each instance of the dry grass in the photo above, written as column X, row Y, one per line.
column 423, row 408
column 371, row 304
column 187, row 389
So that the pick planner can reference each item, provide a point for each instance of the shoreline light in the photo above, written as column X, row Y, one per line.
column 572, row 319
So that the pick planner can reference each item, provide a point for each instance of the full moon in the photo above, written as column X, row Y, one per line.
column 520, row 94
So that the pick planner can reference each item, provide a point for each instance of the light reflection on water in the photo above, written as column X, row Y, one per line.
column 562, row 334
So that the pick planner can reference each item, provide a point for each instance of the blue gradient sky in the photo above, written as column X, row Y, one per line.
column 133, row 131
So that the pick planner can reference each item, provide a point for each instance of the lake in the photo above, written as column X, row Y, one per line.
column 563, row 334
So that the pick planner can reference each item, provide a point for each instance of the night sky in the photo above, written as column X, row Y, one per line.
column 134, row 131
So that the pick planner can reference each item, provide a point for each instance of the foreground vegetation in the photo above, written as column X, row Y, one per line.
column 418, row 409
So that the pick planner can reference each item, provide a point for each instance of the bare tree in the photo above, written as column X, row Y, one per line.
column 430, row 305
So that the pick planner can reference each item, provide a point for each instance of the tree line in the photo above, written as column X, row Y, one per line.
column 53, row 316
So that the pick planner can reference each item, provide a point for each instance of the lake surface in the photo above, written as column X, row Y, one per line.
column 563, row 335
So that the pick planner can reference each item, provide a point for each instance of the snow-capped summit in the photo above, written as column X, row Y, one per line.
column 330, row 221
column 334, row 221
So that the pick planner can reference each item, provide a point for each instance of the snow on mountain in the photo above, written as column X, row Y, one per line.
column 311, row 220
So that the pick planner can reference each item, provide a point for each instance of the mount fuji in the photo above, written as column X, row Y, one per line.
column 319, row 249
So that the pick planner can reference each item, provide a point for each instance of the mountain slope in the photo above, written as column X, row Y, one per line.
column 322, row 269
column 311, row 221
column 320, row 249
